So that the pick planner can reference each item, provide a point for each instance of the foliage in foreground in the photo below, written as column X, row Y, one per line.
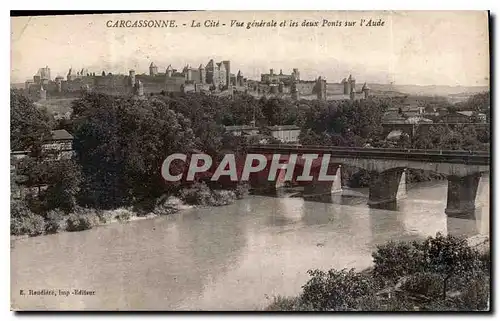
column 201, row 194
column 441, row 273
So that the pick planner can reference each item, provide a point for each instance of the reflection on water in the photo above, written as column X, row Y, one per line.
column 230, row 257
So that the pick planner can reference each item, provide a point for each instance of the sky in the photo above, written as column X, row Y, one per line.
column 412, row 47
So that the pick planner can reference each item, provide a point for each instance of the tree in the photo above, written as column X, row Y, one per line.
column 354, row 121
column 335, row 290
column 449, row 256
column 29, row 127
column 479, row 102
column 121, row 144
column 60, row 180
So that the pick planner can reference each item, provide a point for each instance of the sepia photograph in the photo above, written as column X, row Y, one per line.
column 250, row 161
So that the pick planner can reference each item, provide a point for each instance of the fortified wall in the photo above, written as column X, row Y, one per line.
column 214, row 76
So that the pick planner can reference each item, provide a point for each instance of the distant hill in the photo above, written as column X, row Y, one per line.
column 18, row 85
column 429, row 90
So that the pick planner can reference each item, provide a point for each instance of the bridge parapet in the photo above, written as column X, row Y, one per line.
column 447, row 162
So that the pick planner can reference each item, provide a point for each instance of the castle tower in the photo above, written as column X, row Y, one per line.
column 271, row 72
column 139, row 88
column 46, row 73
column 71, row 75
column 188, row 73
column 131, row 74
column 209, row 72
column 294, row 91
column 273, row 89
column 203, row 79
column 239, row 79
column 170, row 71
column 43, row 93
column 321, row 88
column 366, row 90
column 352, row 82
column 58, row 81
column 83, row 73
column 347, row 86
column 281, row 85
column 295, row 74
column 153, row 70
column 352, row 95
column 227, row 65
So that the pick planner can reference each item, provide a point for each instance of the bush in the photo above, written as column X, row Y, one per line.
column 485, row 261
column 105, row 216
column 241, row 190
column 394, row 260
column 474, row 295
column 83, row 219
column 123, row 216
column 54, row 222
column 423, row 284
column 336, row 290
column 171, row 205
column 200, row 194
column 19, row 209
column 144, row 206
column 197, row 194
column 223, row 197
column 288, row 304
column 29, row 224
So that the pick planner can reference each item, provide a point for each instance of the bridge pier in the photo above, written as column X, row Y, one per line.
column 387, row 187
column 260, row 182
column 318, row 187
column 462, row 192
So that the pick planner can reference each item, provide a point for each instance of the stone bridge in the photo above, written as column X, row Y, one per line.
column 412, row 129
column 387, row 168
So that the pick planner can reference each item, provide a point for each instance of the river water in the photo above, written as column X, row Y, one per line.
column 234, row 257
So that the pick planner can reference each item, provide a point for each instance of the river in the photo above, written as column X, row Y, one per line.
column 234, row 257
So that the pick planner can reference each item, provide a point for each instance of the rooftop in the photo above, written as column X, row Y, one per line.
column 61, row 134
column 466, row 113
column 240, row 127
column 284, row 127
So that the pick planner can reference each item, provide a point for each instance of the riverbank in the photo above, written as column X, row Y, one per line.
column 25, row 223
column 84, row 219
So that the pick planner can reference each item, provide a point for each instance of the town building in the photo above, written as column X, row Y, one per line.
column 285, row 133
column 456, row 117
column 242, row 130
column 272, row 77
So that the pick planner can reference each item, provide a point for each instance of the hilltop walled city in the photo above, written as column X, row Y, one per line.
column 213, row 78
